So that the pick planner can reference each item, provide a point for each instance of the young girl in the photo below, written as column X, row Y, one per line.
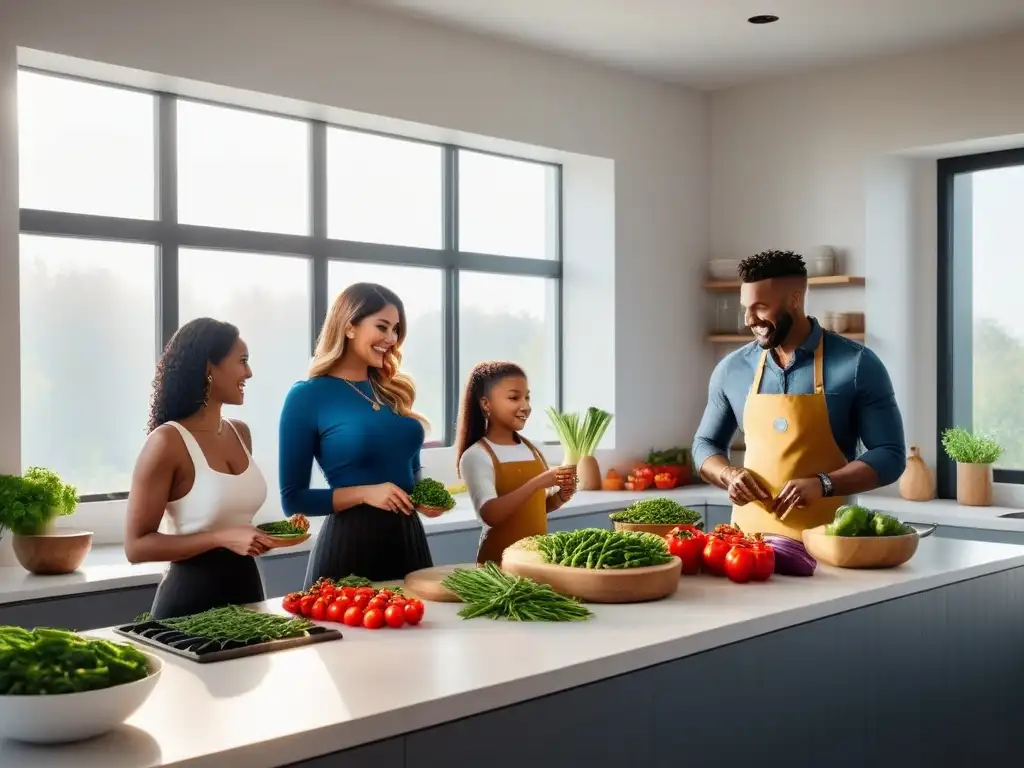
column 509, row 482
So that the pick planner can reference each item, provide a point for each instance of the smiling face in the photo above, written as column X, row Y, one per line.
column 507, row 403
column 230, row 375
column 770, row 308
column 374, row 336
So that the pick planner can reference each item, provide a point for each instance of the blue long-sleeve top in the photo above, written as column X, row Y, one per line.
column 325, row 419
column 858, row 391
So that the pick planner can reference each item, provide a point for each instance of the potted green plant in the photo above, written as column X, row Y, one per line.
column 29, row 505
column 579, row 438
column 974, row 456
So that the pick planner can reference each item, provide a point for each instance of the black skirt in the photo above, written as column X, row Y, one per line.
column 213, row 579
column 373, row 543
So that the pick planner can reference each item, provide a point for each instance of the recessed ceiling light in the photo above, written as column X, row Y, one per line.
column 765, row 18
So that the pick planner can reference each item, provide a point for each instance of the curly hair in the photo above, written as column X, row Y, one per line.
column 179, row 388
column 769, row 264
column 471, row 416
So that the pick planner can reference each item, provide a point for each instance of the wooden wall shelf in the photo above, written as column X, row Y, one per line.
column 823, row 282
column 743, row 338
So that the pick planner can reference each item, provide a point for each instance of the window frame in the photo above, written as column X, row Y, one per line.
column 955, row 314
column 168, row 236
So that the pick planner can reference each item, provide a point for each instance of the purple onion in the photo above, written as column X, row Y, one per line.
column 791, row 558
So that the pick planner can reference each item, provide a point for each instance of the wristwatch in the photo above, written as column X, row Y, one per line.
column 826, row 484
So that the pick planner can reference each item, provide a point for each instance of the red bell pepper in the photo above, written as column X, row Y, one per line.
column 715, row 551
column 687, row 542
column 664, row 481
column 739, row 562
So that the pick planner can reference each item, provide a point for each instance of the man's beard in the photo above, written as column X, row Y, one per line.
column 778, row 331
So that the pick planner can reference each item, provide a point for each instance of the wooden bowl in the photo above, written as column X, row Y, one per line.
column 280, row 542
column 426, row 583
column 432, row 511
column 657, row 530
column 625, row 585
column 52, row 554
column 860, row 551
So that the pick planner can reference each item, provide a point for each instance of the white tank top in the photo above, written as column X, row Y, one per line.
column 217, row 500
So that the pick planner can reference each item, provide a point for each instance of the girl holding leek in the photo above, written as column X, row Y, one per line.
column 510, row 484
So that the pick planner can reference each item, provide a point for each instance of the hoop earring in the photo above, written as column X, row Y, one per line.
column 206, row 392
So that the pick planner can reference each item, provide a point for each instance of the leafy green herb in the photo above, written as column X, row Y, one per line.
column 964, row 447
column 488, row 591
column 579, row 438
column 353, row 581
column 678, row 457
column 431, row 493
column 53, row 661
column 282, row 529
column 241, row 625
column 600, row 548
column 28, row 503
column 658, row 511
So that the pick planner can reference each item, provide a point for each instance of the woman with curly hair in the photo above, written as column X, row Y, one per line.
column 354, row 415
column 198, row 467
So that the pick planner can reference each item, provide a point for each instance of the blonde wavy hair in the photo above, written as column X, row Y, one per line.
column 350, row 307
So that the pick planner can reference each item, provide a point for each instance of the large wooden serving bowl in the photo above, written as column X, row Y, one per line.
column 625, row 585
column 657, row 530
column 861, row 551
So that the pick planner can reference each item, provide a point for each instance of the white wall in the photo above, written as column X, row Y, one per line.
column 845, row 157
column 460, row 87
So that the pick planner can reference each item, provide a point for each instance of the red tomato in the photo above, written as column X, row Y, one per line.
column 361, row 599
column 328, row 591
column 714, row 554
column 394, row 615
column 739, row 563
column 336, row 611
column 373, row 618
column 306, row 605
column 368, row 591
column 343, row 601
column 385, row 594
column 397, row 600
column 348, row 592
column 764, row 559
column 687, row 543
column 413, row 612
column 353, row 616
column 292, row 602
column 377, row 602
column 319, row 609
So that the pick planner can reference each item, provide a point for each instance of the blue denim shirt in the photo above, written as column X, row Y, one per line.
column 861, row 403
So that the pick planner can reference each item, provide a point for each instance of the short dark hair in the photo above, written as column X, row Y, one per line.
column 769, row 264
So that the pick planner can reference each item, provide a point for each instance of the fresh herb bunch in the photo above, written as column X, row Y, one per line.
column 282, row 529
column 431, row 493
column 964, row 447
column 579, row 438
column 240, row 625
column 488, row 591
column 29, row 502
column 353, row 581
column 599, row 548
column 658, row 511
column 53, row 661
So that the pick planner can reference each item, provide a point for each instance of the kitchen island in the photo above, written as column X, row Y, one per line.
column 919, row 665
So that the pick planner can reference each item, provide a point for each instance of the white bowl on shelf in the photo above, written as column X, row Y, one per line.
column 66, row 717
column 723, row 269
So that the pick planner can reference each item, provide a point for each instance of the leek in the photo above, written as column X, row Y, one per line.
column 578, row 437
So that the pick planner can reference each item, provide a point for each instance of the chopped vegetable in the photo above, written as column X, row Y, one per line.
column 431, row 493
column 54, row 661
column 854, row 520
column 490, row 592
column 687, row 542
column 239, row 625
column 791, row 558
column 600, row 548
column 658, row 511
column 293, row 527
column 579, row 438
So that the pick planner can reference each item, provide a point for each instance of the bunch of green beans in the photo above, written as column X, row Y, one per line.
column 489, row 591
column 241, row 625
column 602, row 549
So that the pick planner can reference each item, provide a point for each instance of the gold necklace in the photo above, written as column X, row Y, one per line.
column 375, row 403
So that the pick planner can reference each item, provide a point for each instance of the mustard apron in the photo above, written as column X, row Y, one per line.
column 529, row 520
column 788, row 437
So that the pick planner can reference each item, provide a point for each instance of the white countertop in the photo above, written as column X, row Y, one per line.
column 107, row 568
column 295, row 705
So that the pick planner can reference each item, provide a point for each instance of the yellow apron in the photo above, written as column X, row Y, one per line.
column 529, row 520
column 788, row 437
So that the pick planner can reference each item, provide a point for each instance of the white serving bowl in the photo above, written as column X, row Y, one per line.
column 723, row 269
column 67, row 717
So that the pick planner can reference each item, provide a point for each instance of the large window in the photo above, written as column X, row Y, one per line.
column 981, row 329
column 141, row 211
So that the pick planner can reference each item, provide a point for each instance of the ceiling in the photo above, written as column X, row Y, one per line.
column 708, row 44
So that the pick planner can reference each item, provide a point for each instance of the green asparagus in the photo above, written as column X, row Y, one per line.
column 241, row 625
column 600, row 548
column 490, row 592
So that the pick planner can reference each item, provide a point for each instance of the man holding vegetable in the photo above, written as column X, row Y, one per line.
column 806, row 398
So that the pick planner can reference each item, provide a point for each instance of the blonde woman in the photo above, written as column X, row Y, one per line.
column 354, row 416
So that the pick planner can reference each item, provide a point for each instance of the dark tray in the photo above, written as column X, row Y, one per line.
column 204, row 651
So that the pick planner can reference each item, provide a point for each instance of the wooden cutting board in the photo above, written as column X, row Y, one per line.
column 426, row 583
